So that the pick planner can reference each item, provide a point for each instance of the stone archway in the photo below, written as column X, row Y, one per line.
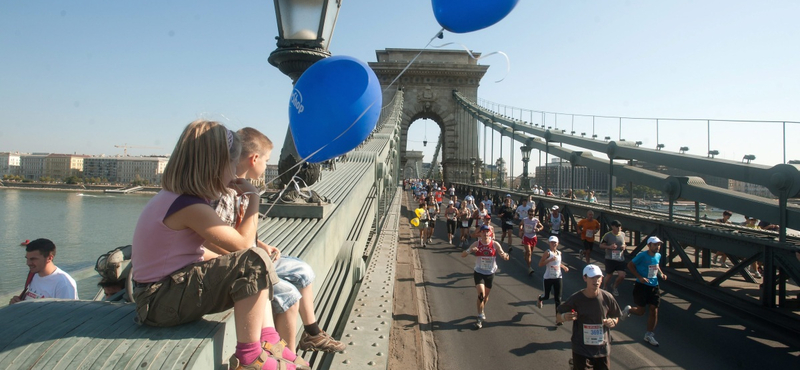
column 428, row 86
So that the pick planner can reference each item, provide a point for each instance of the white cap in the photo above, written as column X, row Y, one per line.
column 452, row 202
column 592, row 271
column 653, row 239
column 553, row 239
column 555, row 208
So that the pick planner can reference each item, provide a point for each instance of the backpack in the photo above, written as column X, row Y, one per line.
column 114, row 265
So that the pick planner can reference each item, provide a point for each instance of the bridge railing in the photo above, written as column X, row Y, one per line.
column 339, row 245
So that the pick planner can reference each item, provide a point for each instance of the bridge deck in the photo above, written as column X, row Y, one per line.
column 63, row 334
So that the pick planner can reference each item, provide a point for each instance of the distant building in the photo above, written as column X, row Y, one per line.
column 9, row 164
column 748, row 188
column 557, row 176
column 32, row 166
column 269, row 175
column 125, row 170
column 61, row 166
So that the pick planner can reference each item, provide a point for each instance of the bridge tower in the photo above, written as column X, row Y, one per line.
column 413, row 164
column 428, row 86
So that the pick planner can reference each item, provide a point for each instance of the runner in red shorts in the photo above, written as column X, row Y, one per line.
column 528, row 228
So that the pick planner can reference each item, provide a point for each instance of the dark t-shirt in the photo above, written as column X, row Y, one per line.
column 507, row 213
column 591, row 312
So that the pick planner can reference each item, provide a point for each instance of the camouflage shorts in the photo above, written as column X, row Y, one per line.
column 204, row 288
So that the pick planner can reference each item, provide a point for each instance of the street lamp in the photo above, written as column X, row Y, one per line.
column 305, row 29
column 683, row 149
column 659, row 146
column 712, row 153
column 472, row 169
column 526, row 156
column 748, row 158
column 638, row 143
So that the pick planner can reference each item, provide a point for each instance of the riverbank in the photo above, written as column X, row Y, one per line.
column 71, row 187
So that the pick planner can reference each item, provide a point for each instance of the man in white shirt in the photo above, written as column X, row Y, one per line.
column 48, row 281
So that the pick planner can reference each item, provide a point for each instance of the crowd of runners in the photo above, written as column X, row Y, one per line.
column 593, row 310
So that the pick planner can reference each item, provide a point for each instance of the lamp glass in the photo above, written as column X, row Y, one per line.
column 307, row 20
column 526, row 152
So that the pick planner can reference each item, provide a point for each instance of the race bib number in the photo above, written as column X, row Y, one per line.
column 486, row 263
column 528, row 229
column 593, row 335
column 616, row 255
column 590, row 233
column 652, row 271
column 464, row 223
column 553, row 270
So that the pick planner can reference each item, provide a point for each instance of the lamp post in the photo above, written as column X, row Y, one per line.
column 472, row 170
column 526, row 156
column 305, row 29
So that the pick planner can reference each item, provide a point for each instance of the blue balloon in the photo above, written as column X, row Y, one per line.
column 334, row 107
column 461, row 16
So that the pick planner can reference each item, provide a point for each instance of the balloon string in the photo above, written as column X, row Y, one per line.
column 438, row 34
column 508, row 61
column 303, row 160
column 280, row 194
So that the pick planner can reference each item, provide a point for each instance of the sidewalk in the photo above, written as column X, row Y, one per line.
column 411, row 341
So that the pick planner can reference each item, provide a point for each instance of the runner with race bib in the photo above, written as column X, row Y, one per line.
column 486, row 249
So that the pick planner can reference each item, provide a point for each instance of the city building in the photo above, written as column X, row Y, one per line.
column 32, row 165
column 61, row 166
column 557, row 176
column 125, row 170
column 9, row 164
column 748, row 188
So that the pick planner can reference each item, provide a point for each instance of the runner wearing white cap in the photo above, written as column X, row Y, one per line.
column 551, row 261
column 485, row 249
column 555, row 221
column 593, row 312
column 645, row 267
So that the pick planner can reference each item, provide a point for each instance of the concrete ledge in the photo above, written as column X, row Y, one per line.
column 299, row 210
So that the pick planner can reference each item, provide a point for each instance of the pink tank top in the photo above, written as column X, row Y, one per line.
column 157, row 250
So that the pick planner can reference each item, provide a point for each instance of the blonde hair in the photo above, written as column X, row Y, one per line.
column 205, row 151
column 253, row 141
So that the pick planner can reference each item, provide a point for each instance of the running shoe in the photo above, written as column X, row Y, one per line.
column 482, row 317
column 651, row 339
column 626, row 312
column 539, row 302
column 757, row 275
column 530, row 270
column 559, row 323
column 615, row 292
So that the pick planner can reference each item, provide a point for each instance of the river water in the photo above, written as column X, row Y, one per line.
column 82, row 225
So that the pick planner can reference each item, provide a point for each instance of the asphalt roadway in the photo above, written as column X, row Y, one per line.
column 694, row 333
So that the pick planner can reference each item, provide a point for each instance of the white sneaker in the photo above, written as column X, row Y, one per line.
column 615, row 292
column 757, row 275
column 626, row 312
column 651, row 339
column 482, row 317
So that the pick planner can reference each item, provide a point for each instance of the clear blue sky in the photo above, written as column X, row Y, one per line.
column 84, row 76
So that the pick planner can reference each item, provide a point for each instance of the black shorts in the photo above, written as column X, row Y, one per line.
column 612, row 266
column 507, row 227
column 644, row 294
column 486, row 280
column 588, row 245
column 432, row 223
column 451, row 227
